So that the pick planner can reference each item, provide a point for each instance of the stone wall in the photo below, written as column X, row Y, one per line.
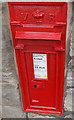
column 11, row 103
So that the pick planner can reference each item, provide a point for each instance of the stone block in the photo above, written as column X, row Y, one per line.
column 12, row 112
column 0, row 111
column 10, row 95
column 8, row 63
column 0, row 43
column 70, row 83
column 0, row 13
column 68, row 34
column 68, row 100
column 69, row 116
column 0, row 93
column 5, row 15
column 69, row 74
column 69, row 20
column 36, row 115
column 72, row 53
column 73, row 45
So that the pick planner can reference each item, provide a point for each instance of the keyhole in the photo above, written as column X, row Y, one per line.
column 35, row 86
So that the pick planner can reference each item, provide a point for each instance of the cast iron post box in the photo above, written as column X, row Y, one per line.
column 39, row 39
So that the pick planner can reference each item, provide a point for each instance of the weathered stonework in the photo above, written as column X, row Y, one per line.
column 10, row 95
column 9, row 71
column 12, row 112
column 11, row 98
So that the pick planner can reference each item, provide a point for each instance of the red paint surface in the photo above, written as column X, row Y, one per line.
column 40, row 28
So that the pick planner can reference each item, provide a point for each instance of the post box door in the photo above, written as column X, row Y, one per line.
column 44, row 85
column 44, row 69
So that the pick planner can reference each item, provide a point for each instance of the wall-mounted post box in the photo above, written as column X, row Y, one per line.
column 39, row 39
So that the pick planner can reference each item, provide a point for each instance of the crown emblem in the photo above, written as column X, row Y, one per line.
column 38, row 15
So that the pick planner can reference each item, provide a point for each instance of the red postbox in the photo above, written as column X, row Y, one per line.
column 39, row 39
